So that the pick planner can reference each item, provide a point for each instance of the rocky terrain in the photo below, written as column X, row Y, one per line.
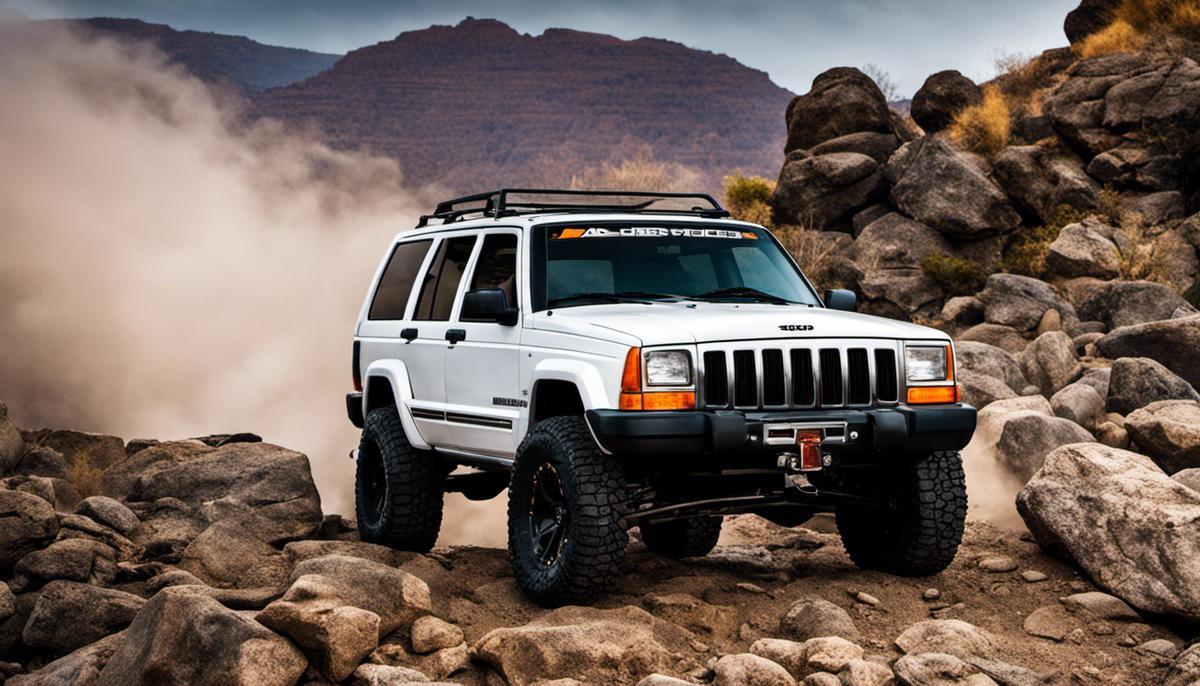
column 210, row 561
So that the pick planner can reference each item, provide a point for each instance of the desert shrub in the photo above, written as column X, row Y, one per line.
column 1026, row 254
column 887, row 84
column 1146, row 15
column 85, row 477
column 814, row 252
column 1021, row 77
column 955, row 276
column 1185, row 20
column 642, row 172
column 1119, row 36
column 1108, row 201
column 746, row 198
column 984, row 128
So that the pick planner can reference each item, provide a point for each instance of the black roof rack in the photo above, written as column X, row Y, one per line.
column 508, row 202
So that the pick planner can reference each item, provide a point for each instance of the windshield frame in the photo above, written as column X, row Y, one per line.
column 538, row 240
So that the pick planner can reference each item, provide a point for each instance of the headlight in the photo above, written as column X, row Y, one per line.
column 926, row 363
column 668, row 368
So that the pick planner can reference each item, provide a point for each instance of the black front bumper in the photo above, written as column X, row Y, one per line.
column 688, row 432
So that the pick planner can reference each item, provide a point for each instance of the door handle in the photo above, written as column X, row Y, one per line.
column 408, row 334
column 456, row 335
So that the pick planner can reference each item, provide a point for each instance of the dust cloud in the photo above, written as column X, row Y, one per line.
column 168, row 270
column 991, row 489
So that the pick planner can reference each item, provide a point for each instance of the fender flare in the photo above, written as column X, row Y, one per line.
column 584, row 376
column 396, row 374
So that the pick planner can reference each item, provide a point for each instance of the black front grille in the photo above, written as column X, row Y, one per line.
column 800, row 377
column 716, row 378
column 831, row 377
column 860, row 376
column 745, row 380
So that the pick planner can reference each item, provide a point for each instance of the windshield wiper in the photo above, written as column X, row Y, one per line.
column 743, row 291
column 643, row 297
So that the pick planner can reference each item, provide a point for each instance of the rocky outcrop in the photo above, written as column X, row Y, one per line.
column 1088, row 18
column 1136, row 382
column 1042, row 181
column 1160, row 341
column 941, row 186
column 896, row 242
column 93, row 613
column 1026, row 431
column 841, row 101
column 823, row 191
column 1125, row 303
column 1085, row 249
column 941, row 98
column 27, row 523
column 1169, row 432
column 1134, row 531
column 1021, row 302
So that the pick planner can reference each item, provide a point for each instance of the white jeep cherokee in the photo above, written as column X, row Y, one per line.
column 639, row 359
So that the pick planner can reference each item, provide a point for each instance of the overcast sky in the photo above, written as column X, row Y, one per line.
column 792, row 40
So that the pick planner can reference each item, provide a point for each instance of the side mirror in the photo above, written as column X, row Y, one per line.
column 488, row 305
column 841, row 299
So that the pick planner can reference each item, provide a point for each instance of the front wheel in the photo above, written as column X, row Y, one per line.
column 916, row 525
column 566, row 515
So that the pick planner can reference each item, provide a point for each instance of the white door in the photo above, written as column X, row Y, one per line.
column 424, row 344
column 483, row 393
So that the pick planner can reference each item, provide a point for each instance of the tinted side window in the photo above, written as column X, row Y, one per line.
column 397, row 281
column 441, row 281
column 497, row 266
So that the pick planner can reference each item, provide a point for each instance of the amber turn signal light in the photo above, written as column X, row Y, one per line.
column 931, row 395
column 632, row 397
column 631, row 377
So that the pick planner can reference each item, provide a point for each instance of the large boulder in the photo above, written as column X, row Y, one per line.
column 1021, row 302
column 939, row 100
column 72, row 559
column 1042, row 180
column 980, row 390
column 1050, row 362
column 12, row 446
column 82, row 450
column 945, row 188
column 263, row 489
column 1085, row 249
column 1124, row 303
column 1024, row 430
column 1136, row 382
column 27, row 523
column 1089, row 17
column 1135, row 166
column 824, row 191
column 181, row 637
column 1004, row 337
column 111, row 513
column 950, row 636
column 78, row 668
column 973, row 358
column 877, row 146
column 93, row 613
column 1134, row 530
column 594, row 645
column 1166, row 342
column 896, row 242
column 815, row 617
column 899, row 294
column 747, row 669
column 841, row 101
column 1169, row 432
column 1080, row 403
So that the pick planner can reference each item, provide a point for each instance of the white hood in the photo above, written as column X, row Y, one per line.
column 698, row 322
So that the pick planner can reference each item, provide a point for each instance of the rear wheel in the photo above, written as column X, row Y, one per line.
column 566, row 515
column 917, row 524
column 398, row 490
column 679, row 538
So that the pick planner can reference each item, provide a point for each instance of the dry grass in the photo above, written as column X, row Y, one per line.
column 1143, row 24
column 813, row 252
column 641, row 172
column 746, row 198
column 1185, row 21
column 955, row 276
column 1026, row 254
column 85, row 477
column 1119, row 36
column 984, row 128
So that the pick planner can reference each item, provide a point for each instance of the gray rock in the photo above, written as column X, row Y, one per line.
column 1124, row 303
column 12, row 446
column 1138, row 381
column 933, row 669
column 941, row 98
column 1169, row 432
column 951, row 636
column 94, row 613
column 110, row 513
column 1098, row 378
column 1079, row 403
column 1085, row 249
column 1135, row 166
column 900, row 294
column 42, row 461
column 1102, row 606
column 73, row 559
column 863, row 218
column 877, row 146
column 1021, row 301
column 1042, row 180
column 747, row 669
column 791, row 655
column 227, row 555
column 981, row 390
column 842, row 101
column 1188, row 477
column 40, row 486
column 1050, row 362
column 897, row 242
column 78, row 668
column 27, row 523
column 1156, row 208
column 1025, row 436
column 943, row 188
column 824, row 191
column 964, row 310
column 981, row 359
column 814, row 617
column 1004, row 337
column 1088, row 18
column 385, row 675
column 181, row 637
column 430, row 633
column 1127, row 524
column 1185, row 671
column 1160, row 341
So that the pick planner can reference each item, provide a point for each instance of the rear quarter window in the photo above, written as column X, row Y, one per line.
column 391, row 297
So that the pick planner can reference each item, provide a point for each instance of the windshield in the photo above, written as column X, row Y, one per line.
column 614, row 263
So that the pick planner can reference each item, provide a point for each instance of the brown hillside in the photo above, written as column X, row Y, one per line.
column 479, row 105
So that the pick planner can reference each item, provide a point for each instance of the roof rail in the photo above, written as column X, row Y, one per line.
column 508, row 202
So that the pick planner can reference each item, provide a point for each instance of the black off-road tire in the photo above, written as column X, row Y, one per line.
column 916, row 529
column 398, row 489
column 680, row 538
column 560, row 456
